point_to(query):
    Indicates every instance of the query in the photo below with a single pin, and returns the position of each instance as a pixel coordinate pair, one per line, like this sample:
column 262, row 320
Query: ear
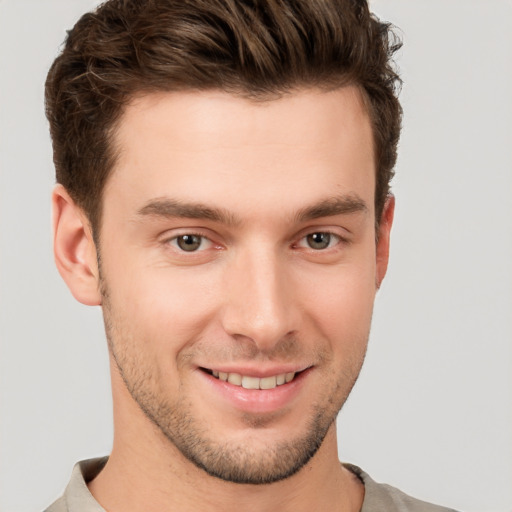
column 384, row 231
column 74, row 248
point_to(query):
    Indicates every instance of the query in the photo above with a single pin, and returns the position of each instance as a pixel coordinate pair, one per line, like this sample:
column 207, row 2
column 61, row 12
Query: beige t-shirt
column 377, row 497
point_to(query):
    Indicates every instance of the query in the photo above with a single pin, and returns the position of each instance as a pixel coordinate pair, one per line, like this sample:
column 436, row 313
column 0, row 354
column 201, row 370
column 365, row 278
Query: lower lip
column 257, row 400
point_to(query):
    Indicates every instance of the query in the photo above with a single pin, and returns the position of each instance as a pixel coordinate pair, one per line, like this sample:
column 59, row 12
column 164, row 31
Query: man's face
column 238, row 243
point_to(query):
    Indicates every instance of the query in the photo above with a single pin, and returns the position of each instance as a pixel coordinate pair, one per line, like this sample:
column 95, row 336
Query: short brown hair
column 255, row 48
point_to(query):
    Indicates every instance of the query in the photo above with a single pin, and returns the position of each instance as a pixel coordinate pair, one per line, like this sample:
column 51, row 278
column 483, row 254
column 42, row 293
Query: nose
column 261, row 303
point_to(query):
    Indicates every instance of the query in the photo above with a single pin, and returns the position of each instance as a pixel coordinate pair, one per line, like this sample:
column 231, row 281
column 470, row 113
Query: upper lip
column 258, row 371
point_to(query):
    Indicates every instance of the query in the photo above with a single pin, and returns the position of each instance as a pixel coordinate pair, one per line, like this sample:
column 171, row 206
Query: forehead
column 203, row 145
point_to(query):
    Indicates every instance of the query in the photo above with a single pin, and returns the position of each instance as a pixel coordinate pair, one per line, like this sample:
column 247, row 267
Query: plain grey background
column 432, row 412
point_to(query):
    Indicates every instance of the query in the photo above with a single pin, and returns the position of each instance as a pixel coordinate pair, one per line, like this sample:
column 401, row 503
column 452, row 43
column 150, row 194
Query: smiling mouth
column 248, row 382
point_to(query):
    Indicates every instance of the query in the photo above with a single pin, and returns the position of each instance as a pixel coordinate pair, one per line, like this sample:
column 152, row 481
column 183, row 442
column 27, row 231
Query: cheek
column 341, row 302
column 164, row 306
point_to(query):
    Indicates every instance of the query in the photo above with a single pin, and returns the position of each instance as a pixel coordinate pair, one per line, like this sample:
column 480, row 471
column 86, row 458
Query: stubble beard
column 230, row 461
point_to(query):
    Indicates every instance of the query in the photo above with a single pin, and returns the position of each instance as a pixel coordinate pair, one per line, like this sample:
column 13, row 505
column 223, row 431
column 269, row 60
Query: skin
column 256, row 297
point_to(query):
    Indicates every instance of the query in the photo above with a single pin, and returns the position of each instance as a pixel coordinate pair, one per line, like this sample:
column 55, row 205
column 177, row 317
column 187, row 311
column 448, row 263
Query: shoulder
column 58, row 506
column 379, row 497
column 76, row 497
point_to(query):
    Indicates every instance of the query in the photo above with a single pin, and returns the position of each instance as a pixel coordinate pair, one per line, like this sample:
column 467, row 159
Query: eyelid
column 335, row 240
column 341, row 234
column 170, row 238
column 205, row 244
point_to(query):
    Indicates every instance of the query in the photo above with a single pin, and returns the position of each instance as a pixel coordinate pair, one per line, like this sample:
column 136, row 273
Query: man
column 223, row 179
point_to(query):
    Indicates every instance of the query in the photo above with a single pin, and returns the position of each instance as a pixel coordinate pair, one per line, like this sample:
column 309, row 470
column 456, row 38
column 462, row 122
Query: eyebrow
column 339, row 205
column 171, row 208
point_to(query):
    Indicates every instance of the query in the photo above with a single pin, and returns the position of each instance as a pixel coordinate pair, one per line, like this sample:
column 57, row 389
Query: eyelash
column 333, row 240
column 174, row 241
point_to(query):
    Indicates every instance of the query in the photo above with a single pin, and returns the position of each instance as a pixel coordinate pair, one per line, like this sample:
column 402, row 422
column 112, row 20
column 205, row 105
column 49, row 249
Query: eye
column 320, row 240
column 190, row 242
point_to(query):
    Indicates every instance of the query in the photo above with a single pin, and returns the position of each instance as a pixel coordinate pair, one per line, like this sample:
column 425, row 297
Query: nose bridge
column 260, row 305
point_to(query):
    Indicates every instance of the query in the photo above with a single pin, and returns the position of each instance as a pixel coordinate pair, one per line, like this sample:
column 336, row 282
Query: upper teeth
column 254, row 382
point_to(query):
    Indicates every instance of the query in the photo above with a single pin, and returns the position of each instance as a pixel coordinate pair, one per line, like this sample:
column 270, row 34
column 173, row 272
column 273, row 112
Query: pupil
column 319, row 240
column 189, row 242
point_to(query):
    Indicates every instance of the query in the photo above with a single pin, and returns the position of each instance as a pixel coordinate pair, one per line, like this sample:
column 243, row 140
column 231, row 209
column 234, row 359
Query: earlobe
column 74, row 248
column 383, row 240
